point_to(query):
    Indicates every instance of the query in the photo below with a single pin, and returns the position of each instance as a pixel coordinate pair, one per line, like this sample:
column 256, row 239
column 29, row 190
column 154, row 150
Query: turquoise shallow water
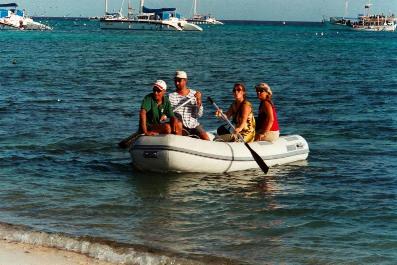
column 68, row 97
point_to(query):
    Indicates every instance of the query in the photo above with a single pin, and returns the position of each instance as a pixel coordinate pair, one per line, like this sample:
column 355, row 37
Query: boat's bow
column 187, row 26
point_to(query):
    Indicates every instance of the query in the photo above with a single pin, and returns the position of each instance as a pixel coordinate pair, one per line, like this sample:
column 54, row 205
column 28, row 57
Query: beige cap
column 160, row 84
column 180, row 74
column 264, row 87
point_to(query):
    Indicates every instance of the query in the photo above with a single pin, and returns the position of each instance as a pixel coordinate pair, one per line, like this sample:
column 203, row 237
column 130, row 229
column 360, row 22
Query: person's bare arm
column 245, row 111
column 143, row 124
column 269, row 118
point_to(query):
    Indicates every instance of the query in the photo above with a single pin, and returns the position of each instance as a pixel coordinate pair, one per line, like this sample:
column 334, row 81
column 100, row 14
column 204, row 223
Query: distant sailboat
column 147, row 19
column 202, row 19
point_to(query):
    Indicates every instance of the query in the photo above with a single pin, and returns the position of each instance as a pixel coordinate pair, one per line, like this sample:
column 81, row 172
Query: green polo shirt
column 154, row 111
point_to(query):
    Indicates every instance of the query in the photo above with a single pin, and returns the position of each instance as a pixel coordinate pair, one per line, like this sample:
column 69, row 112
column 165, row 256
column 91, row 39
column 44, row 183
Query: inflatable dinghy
column 173, row 153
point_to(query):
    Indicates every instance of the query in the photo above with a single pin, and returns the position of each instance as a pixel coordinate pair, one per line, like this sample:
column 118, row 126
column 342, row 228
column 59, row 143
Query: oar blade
column 258, row 159
column 123, row 144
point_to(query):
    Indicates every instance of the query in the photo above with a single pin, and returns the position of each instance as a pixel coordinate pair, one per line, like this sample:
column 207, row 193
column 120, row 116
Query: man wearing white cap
column 188, row 114
column 155, row 107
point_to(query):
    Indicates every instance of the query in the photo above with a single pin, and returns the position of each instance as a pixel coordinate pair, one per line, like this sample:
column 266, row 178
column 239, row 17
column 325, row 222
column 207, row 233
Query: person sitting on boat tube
column 155, row 109
column 188, row 114
column 243, row 118
column 267, row 128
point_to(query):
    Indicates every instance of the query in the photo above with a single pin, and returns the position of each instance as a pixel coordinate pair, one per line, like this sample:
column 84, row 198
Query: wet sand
column 12, row 253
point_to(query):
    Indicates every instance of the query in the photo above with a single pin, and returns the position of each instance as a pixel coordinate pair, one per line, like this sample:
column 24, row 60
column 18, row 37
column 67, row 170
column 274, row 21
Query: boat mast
column 194, row 7
column 106, row 7
column 367, row 7
column 129, row 14
column 121, row 8
column 346, row 8
column 141, row 6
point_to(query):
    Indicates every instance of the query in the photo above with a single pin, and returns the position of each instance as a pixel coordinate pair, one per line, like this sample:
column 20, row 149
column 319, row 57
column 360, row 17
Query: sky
column 278, row 10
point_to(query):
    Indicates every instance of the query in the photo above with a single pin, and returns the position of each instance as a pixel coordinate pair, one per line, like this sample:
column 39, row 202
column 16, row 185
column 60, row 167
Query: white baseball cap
column 160, row 84
column 180, row 74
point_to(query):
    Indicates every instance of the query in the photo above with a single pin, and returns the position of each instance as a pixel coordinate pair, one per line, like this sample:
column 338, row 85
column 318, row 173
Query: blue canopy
column 157, row 10
column 9, row 5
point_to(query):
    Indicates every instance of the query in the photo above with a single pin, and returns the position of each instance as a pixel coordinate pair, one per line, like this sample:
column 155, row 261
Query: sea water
column 67, row 97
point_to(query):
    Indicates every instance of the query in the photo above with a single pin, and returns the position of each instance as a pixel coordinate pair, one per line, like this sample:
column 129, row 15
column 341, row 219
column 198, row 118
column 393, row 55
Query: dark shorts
column 199, row 130
column 224, row 129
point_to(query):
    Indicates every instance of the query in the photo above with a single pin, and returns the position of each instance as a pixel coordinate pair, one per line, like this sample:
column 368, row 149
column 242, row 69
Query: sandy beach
column 13, row 253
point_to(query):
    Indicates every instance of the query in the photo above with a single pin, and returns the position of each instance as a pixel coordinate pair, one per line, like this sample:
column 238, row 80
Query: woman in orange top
column 267, row 128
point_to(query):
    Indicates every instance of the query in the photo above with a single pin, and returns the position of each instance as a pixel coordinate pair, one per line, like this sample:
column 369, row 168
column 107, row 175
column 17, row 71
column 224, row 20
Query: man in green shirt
column 155, row 109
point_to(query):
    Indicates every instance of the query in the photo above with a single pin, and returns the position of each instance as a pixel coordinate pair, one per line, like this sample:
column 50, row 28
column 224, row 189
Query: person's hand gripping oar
column 257, row 158
column 126, row 142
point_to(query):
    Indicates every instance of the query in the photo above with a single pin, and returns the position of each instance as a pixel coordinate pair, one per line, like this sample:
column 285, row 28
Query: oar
column 125, row 143
column 257, row 158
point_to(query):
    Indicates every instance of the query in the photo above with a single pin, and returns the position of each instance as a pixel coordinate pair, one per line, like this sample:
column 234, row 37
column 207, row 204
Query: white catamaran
column 16, row 19
column 147, row 19
column 366, row 22
column 202, row 19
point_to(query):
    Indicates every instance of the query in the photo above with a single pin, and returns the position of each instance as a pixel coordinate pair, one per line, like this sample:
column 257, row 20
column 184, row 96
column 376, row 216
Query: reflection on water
column 247, row 183
column 182, row 211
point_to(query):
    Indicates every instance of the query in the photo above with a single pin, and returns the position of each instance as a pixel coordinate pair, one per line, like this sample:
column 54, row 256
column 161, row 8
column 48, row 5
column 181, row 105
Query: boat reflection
column 184, row 212
column 248, row 182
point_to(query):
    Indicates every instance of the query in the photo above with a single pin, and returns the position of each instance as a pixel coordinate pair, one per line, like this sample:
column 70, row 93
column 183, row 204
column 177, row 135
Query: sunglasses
column 259, row 91
column 237, row 90
column 157, row 90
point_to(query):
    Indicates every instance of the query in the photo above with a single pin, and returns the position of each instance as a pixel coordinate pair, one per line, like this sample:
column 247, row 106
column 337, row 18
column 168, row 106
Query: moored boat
column 202, row 19
column 207, row 20
column 375, row 23
column 172, row 153
column 161, row 19
column 366, row 22
column 16, row 19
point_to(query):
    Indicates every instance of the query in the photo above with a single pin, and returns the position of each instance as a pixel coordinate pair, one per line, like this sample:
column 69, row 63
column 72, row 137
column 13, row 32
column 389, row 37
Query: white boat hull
column 337, row 26
column 187, row 26
column 131, row 24
column 6, row 26
column 376, row 28
column 205, row 21
column 15, row 22
column 33, row 25
column 171, row 153
column 158, row 25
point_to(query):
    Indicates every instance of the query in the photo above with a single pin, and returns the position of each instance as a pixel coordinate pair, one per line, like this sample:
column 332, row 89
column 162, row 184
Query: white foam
column 102, row 250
